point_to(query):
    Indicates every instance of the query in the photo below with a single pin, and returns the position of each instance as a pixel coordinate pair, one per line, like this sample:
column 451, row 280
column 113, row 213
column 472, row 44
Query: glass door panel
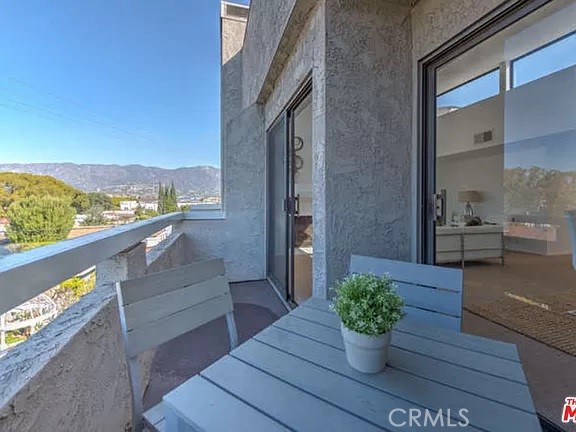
column 278, row 240
column 501, row 173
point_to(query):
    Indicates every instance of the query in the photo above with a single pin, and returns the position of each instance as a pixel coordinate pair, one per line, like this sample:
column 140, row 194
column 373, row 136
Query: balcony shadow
column 183, row 357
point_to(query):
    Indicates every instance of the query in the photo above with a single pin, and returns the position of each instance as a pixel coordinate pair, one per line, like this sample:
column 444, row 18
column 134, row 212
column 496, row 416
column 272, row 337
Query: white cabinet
column 461, row 244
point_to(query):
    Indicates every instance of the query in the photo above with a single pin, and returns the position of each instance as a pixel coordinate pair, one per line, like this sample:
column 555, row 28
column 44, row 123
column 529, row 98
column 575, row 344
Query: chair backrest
column 571, row 216
column 432, row 295
column 160, row 306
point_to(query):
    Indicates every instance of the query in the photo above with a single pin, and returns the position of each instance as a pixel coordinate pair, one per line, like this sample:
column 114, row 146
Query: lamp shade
column 469, row 196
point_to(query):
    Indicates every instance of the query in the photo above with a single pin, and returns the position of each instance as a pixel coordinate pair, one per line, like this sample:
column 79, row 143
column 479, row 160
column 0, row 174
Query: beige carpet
column 547, row 326
column 531, row 294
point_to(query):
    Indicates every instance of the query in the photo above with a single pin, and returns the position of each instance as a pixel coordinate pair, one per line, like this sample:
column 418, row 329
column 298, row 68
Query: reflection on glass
column 559, row 55
column 277, row 238
column 303, row 231
column 516, row 146
column 471, row 92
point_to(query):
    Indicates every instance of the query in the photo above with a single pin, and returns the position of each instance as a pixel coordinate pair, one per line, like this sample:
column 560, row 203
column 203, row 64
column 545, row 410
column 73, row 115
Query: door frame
column 498, row 19
column 270, row 169
column 286, row 115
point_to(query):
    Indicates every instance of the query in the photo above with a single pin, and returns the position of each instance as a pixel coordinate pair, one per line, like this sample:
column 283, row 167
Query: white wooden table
column 294, row 376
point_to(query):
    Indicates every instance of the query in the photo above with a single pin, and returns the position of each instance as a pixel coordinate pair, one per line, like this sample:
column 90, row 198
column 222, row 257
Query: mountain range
column 136, row 180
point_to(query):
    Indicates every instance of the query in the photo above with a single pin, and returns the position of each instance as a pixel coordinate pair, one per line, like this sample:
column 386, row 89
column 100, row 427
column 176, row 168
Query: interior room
column 506, row 174
column 302, row 169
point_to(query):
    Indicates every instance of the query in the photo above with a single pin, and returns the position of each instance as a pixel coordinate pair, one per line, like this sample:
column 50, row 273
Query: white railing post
column 127, row 264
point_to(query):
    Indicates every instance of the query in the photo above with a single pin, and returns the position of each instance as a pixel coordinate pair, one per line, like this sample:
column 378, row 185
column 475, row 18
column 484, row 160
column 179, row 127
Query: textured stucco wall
column 368, row 132
column 232, row 38
column 71, row 375
column 266, row 25
column 359, row 55
column 175, row 251
column 435, row 22
column 240, row 238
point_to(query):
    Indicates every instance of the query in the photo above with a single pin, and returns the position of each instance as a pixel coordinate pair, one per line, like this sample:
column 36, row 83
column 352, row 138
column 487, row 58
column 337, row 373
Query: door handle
column 297, row 204
column 439, row 207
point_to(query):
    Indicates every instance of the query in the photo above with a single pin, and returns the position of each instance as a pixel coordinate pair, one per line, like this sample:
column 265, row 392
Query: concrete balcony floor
column 256, row 306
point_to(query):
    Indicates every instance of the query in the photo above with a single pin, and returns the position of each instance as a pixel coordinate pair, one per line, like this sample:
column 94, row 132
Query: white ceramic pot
column 365, row 353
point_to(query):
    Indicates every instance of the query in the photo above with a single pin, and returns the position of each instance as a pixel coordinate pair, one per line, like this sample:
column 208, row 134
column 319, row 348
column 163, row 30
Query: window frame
column 535, row 50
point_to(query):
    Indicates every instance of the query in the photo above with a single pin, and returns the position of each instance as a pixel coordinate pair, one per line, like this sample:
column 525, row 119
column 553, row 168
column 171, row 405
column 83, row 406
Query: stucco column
column 367, row 203
column 127, row 264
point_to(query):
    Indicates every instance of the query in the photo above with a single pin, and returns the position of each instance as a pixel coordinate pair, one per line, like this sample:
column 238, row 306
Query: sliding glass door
column 290, row 230
column 499, row 174
column 278, row 216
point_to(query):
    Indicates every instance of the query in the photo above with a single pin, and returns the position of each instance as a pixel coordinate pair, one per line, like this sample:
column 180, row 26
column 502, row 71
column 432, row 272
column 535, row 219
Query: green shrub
column 368, row 304
column 40, row 219
column 14, row 337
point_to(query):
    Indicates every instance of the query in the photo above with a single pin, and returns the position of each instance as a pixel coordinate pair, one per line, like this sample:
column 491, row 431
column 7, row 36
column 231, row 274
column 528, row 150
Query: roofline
column 235, row 4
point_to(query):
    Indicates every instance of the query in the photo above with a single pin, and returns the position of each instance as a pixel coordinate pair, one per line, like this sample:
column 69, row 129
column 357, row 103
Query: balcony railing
column 84, row 340
column 28, row 274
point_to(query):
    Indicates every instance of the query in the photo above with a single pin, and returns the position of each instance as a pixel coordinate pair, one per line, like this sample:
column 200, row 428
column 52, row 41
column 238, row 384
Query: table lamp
column 469, row 197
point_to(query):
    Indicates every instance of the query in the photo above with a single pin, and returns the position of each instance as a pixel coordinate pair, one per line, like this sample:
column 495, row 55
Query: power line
column 84, row 107
column 54, row 113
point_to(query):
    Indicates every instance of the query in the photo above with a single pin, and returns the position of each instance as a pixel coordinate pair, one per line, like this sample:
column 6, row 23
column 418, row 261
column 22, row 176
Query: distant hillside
column 126, row 179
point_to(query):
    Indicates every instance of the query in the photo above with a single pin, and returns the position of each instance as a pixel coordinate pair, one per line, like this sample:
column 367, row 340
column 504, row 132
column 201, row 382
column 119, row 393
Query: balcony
column 71, row 374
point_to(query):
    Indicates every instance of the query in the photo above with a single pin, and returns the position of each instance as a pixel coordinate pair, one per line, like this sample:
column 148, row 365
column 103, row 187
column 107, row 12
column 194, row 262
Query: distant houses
column 149, row 205
column 128, row 205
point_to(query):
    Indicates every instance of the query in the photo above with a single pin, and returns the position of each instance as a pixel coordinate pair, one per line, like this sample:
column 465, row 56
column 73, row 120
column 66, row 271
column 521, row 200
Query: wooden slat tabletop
column 294, row 376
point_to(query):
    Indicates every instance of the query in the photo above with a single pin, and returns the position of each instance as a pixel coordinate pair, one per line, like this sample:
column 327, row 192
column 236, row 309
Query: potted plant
column 369, row 308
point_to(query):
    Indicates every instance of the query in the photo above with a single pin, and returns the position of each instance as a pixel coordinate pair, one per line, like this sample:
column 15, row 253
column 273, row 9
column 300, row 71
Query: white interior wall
column 535, row 110
column 542, row 107
column 482, row 171
column 530, row 126
column 455, row 130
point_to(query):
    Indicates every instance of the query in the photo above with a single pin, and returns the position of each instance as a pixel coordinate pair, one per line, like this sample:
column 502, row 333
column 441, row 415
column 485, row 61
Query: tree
column 100, row 199
column 95, row 216
column 171, row 199
column 161, row 198
column 81, row 203
column 142, row 214
column 40, row 219
column 167, row 199
column 17, row 186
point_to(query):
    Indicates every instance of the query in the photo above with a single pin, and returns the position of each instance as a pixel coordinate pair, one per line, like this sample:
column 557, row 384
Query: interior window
column 473, row 91
column 546, row 60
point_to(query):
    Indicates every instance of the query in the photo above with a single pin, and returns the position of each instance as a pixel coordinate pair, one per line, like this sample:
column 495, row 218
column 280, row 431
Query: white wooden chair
column 432, row 295
column 161, row 306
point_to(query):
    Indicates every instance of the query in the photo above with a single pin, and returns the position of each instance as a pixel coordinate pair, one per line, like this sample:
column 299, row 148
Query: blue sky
column 108, row 81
